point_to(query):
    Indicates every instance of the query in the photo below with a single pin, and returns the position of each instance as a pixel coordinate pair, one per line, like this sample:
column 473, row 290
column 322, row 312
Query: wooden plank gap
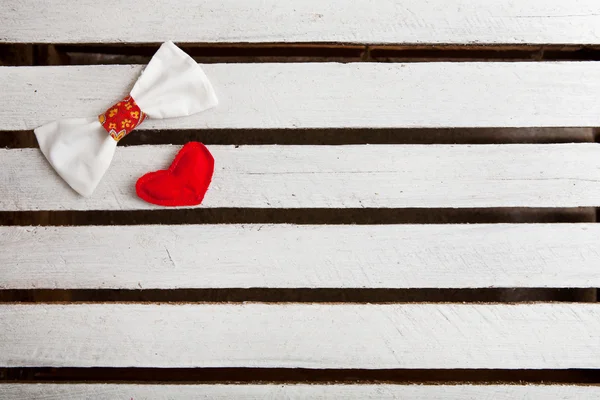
column 300, row 375
column 335, row 136
column 299, row 295
column 458, row 53
column 90, row 54
column 16, row 54
column 316, row 216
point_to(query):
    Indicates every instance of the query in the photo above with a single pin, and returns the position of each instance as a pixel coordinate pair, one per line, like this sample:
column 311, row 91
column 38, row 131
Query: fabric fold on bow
column 81, row 149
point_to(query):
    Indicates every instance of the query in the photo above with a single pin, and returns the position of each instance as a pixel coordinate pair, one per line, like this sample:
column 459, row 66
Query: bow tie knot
column 121, row 118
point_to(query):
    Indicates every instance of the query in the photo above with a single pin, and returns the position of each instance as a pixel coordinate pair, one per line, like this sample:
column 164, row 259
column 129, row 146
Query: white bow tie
column 81, row 149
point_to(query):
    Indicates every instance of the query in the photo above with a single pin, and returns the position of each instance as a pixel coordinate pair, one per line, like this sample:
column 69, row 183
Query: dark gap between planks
column 334, row 136
column 298, row 375
column 300, row 295
column 468, row 53
column 300, row 216
column 123, row 53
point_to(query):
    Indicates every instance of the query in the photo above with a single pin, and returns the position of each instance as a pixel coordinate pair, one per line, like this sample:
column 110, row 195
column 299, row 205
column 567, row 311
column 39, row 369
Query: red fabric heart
column 184, row 183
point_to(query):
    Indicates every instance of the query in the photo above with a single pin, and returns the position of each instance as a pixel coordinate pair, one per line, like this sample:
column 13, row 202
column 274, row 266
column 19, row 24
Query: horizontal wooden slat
column 358, row 176
column 307, row 336
column 295, row 391
column 359, row 95
column 383, row 21
column 287, row 256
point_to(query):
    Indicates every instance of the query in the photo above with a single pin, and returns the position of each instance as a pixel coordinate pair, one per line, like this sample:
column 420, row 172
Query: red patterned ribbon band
column 122, row 118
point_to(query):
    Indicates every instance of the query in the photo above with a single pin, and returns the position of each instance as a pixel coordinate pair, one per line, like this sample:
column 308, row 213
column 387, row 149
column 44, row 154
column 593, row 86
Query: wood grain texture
column 363, row 21
column 288, row 256
column 356, row 176
column 295, row 391
column 327, row 95
column 536, row 336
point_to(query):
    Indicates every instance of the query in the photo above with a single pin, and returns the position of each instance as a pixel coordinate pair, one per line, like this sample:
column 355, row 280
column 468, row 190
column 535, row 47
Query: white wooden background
column 357, row 21
column 299, row 391
column 355, row 176
column 291, row 256
column 554, row 336
column 321, row 95
column 327, row 95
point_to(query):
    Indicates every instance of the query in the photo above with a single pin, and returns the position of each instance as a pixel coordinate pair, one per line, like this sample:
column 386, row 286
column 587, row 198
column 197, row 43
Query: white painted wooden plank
column 548, row 175
column 288, row 256
column 327, row 95
column 301, row 335
column 50, row 391
column 363, row 21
